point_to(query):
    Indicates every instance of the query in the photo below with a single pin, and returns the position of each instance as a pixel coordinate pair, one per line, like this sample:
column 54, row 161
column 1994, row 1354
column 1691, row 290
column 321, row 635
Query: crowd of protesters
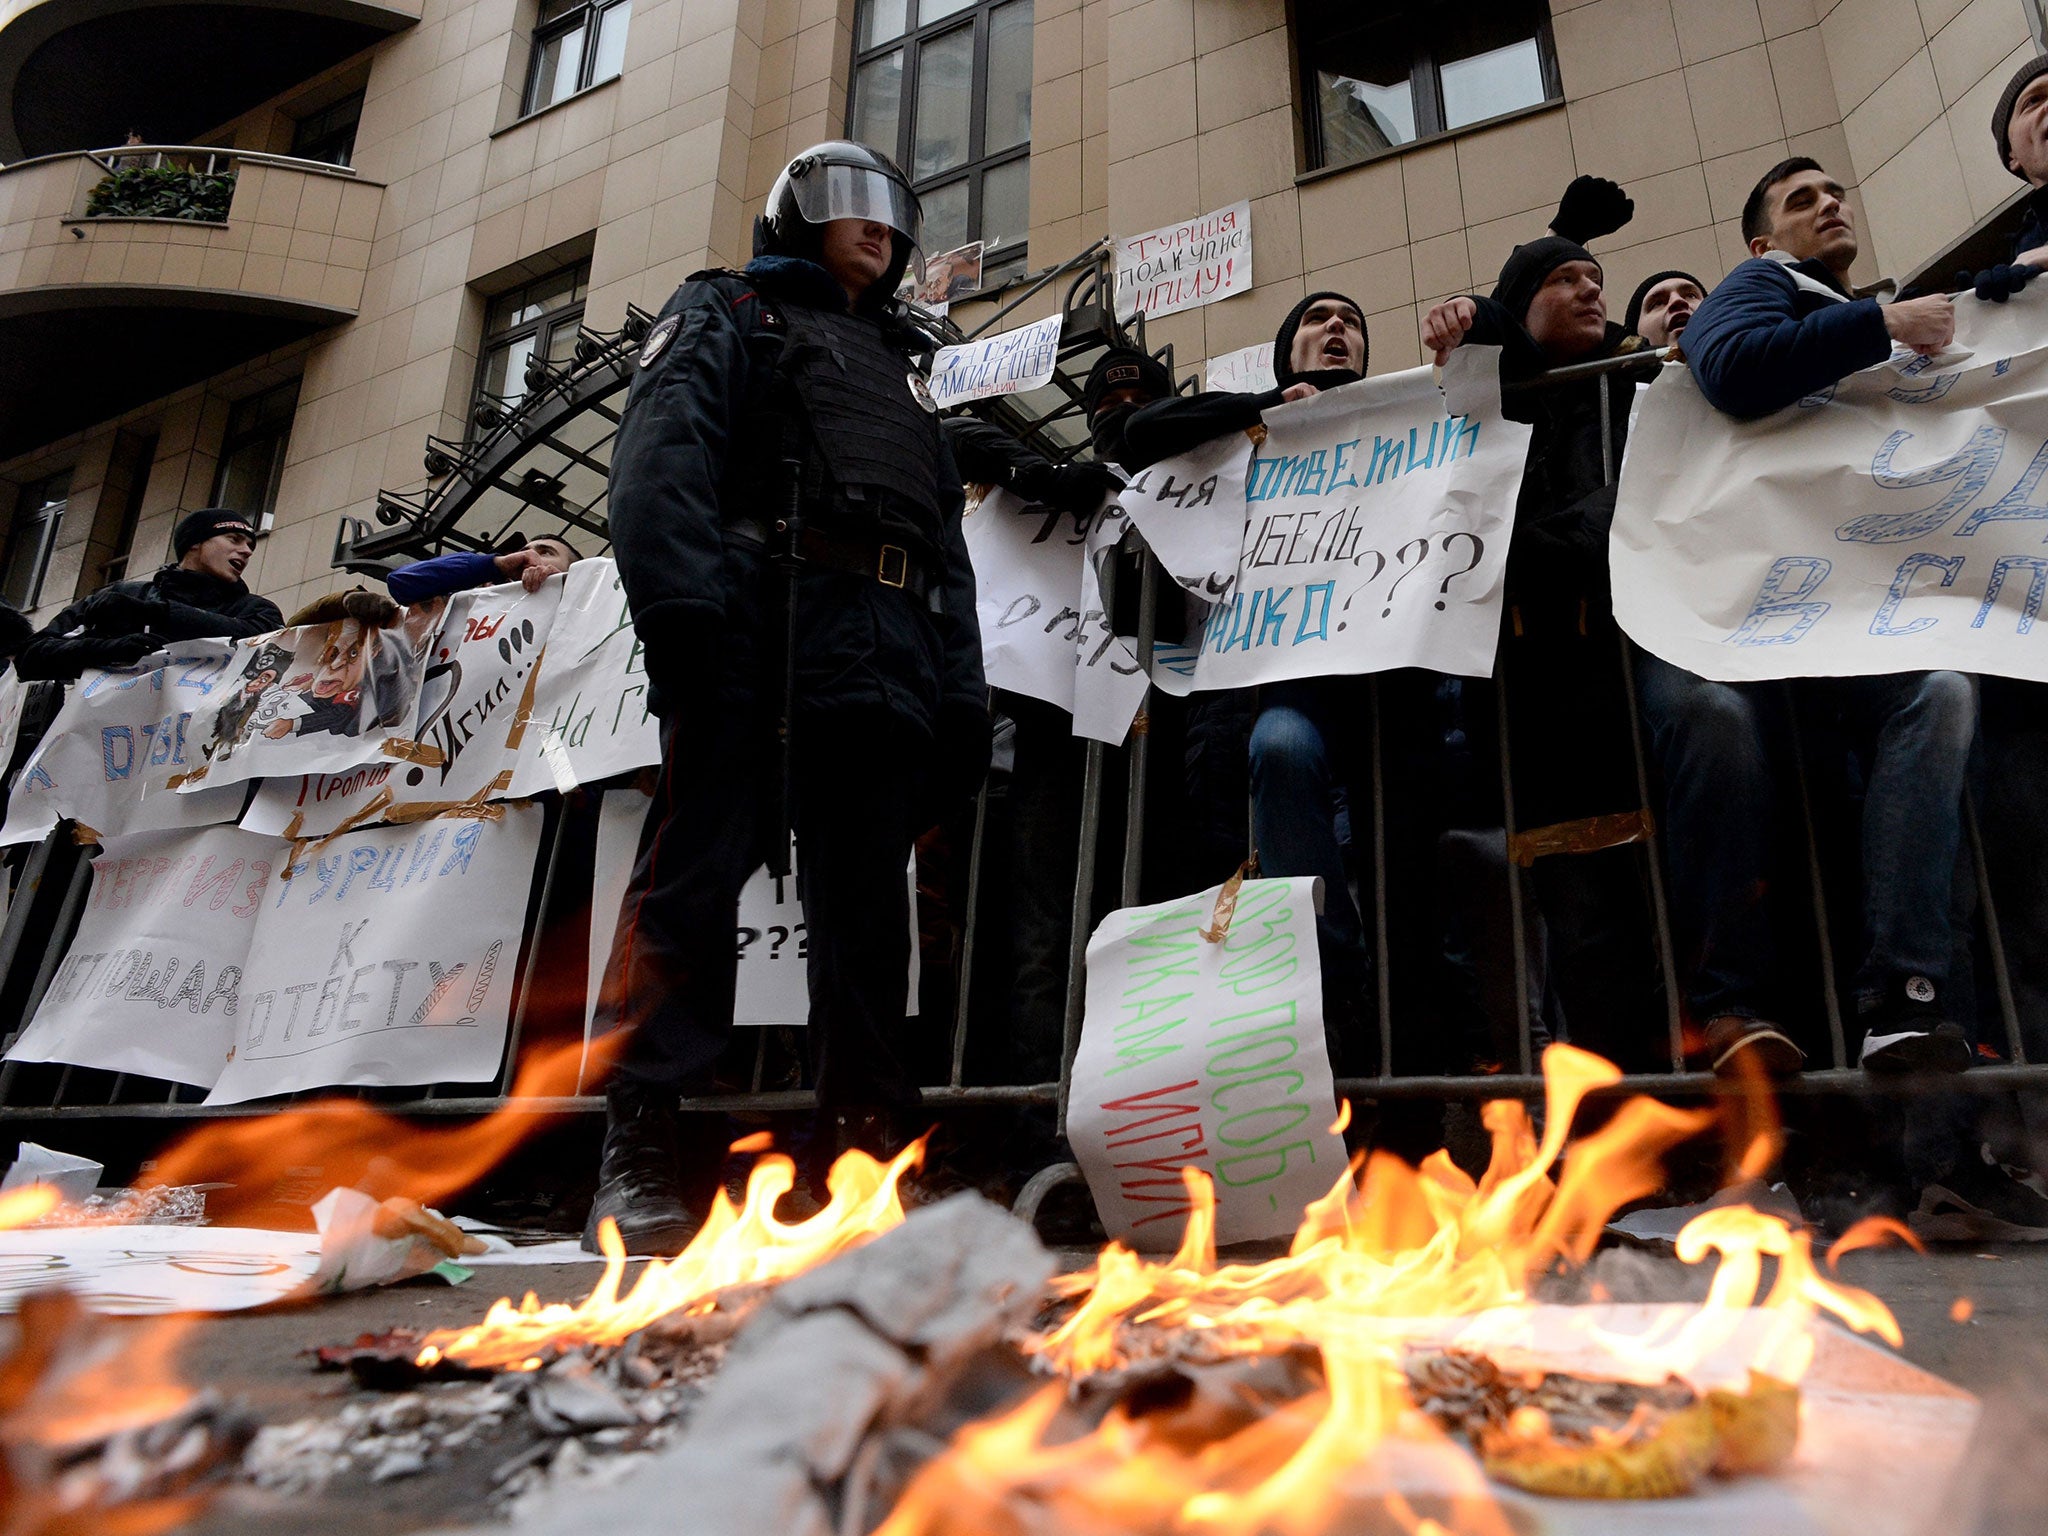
column 872, row 636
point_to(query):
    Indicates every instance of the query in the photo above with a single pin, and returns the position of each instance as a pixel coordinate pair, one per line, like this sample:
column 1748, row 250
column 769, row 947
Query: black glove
column 119, row 613
column 122, row 650
column 1997, row 284
column 1078, row 488
column 1592, row 206
column 686, row 667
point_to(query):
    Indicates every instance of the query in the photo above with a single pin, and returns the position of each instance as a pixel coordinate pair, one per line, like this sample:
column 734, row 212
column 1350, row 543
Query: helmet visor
column 827, row 192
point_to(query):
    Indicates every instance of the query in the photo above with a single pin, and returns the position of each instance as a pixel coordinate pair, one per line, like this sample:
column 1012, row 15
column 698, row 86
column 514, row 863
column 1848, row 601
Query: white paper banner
column 1206, row 1056
column 110, row 757
column 1245, row 372
column 1181, row 266
column 1004, row 364
column 389, row 957
column 1891, row 523
column 1377, row 535
column 152, row 983
column 1191, row 511
column 1109, row 685
column 137, row 1271
column 590, row 718
column 475, row 683
column 619, row 819
column 1027, row 591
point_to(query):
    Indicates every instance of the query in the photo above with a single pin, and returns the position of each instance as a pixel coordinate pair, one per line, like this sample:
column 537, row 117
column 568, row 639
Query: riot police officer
column 786, row 520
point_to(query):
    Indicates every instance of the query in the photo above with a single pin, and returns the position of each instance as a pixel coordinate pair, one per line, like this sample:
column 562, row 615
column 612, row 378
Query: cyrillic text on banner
column 1007, row 363
column 1892, row 523
column 1185, row 265
column 388, row 957
column 1248, row 371
column 1376, row 535
column 1191, row 511
column 590, row 717
column 1206, row 1055
column 152, row 982
column 1027, row 590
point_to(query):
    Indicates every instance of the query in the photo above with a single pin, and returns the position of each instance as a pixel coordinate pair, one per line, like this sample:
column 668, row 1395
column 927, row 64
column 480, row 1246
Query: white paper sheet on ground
column 1191, row 510
column 138, row 1270
column 1376, row 537
column 1890, row 523
column 1027, row 594
column 152, row 982
column 590, row 717
column 1206, row 1056
column 1109, row 685
column 389, row 957
column 475, row 692
column 774, row 946
column 121, row 738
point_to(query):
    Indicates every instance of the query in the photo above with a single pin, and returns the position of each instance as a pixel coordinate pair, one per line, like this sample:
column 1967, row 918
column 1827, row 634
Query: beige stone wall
column 1144, row 111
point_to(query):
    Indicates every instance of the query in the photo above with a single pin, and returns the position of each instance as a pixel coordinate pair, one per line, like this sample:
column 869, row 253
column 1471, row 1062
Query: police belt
column 891, row 565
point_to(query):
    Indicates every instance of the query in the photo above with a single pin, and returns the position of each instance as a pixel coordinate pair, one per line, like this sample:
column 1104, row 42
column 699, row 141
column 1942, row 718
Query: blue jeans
column 1715, row 743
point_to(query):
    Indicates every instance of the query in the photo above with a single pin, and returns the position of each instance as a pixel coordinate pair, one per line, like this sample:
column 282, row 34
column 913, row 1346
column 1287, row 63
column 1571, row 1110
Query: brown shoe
column 1737, row 1045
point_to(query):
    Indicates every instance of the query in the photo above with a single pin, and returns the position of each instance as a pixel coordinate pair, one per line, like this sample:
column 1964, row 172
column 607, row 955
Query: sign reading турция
column 1181, row 266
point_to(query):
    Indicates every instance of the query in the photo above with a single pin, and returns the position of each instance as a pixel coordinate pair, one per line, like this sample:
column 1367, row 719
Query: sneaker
column 1908, row 1047
column 1736, row 1044
column 1980, row 1203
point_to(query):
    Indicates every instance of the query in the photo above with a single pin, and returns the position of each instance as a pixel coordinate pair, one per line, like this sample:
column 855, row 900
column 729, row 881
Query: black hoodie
column 174, row 604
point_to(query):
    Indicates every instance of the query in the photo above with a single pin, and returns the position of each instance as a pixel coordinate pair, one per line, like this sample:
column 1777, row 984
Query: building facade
column 275, row 248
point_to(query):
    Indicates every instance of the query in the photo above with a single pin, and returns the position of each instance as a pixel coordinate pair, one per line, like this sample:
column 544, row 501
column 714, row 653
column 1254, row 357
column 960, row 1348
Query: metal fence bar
column 1383, row 946
column 1994, row 939
column 1831, row 999
column 1084, row 888
column 1518, row 928
column 969, row 920
column 517, row 1029
column 27, row 883
column 1141, row 727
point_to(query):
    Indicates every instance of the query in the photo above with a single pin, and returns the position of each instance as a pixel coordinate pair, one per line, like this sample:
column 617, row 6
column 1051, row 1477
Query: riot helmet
column 840, row 179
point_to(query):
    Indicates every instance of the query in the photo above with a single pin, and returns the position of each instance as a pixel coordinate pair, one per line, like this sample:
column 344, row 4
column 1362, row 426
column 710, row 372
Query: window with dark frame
column 538, row 319
column 1375, row 78
column 329, row 135
column 943, row 87
column 576, row 44
column 38, row 513
column 252, row 452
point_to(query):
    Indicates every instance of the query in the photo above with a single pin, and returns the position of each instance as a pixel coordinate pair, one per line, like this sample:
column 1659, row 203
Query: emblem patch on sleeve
column 658, row 339
column 921, row 391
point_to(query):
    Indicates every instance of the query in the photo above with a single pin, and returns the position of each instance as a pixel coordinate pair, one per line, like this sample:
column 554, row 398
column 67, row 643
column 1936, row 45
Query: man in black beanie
column 200, row 597
column 1662, row 305
column 2019, row 129
column 1560, row 655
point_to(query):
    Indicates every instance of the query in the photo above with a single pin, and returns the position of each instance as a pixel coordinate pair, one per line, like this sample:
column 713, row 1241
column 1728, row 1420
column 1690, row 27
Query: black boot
column 638, row 1184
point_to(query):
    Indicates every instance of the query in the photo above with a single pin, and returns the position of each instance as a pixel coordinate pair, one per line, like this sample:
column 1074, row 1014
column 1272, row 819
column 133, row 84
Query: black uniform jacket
column 687, row 502
column 174, row 604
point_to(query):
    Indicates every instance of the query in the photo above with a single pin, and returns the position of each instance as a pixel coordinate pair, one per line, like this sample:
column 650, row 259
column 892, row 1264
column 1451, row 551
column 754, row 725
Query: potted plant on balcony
column 162, row 192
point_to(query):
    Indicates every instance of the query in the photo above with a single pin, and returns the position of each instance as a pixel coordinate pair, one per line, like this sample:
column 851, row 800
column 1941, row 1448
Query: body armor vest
column 878, row 444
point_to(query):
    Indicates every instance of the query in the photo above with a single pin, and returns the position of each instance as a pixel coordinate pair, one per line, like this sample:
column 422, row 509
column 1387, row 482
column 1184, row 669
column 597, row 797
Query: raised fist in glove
column 122, row 650
column 1077, row 488
column 1997, row 284
column 1592, row 206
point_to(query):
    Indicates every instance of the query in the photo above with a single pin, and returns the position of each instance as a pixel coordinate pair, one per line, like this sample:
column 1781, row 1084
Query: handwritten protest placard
column 1109, row 685
column 388, row 957
column 1891, row 523
column 1191, row 510
column 590, row 717
column 1027, row 592
column 121, row 739
column 1208, row 1056
column 1181, row 266
column 1376, row 536
column 152, row 982
column 1004, row 364
column 1247, row 372
column 478, row 670
column 129, row 1271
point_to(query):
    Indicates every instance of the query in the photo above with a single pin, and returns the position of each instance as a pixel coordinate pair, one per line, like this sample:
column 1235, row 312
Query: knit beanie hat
column 1528, row 265
column 1121, row 368
column 1323, row 378
column 2001, row 115
column 196, row 528
column 1635, row 301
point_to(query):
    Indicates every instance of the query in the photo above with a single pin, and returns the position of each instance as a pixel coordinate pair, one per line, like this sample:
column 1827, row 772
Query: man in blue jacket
column 1781, row 326
column 527, row 561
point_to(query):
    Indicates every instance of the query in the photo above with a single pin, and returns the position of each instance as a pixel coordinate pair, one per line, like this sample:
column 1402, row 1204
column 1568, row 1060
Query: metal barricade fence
column 50, row 887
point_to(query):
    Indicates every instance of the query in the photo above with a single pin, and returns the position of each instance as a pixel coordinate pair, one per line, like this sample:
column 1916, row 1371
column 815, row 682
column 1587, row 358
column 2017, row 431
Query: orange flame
column 747, row 1246
column 337, row 1142
column 1870, row 1232
column 31, row 1202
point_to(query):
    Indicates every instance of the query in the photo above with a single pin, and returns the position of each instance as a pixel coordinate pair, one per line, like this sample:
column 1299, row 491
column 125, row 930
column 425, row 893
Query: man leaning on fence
column 786, row 520
column 1780, row 326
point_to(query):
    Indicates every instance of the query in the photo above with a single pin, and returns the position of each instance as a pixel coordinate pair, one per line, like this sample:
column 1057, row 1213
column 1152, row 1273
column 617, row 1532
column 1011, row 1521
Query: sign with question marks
column 119, row 744
column 1891, row 522
column 1376, row 534
column 774, row 943
column 473, row 682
